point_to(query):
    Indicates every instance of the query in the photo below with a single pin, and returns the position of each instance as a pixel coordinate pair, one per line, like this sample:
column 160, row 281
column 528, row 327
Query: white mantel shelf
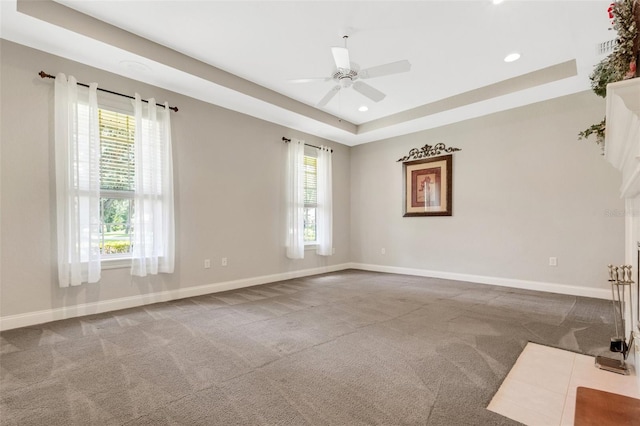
column 622, row 136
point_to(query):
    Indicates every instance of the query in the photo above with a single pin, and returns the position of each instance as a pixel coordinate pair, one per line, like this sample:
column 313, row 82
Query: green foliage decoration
column 621, row 63
column 603, row 74
column 595, row 129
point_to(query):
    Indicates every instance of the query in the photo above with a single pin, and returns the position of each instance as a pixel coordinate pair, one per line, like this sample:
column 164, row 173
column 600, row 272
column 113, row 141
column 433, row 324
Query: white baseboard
column 39, row 317
column 598, row 293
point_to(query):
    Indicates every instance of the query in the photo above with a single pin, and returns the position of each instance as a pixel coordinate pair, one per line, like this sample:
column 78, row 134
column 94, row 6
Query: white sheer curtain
column 77, row 158
column 324, row 216
column 295, row 200
column 153, row 221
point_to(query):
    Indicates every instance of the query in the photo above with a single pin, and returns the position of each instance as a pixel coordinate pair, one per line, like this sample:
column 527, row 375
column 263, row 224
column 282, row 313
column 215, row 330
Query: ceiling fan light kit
column 347, row 75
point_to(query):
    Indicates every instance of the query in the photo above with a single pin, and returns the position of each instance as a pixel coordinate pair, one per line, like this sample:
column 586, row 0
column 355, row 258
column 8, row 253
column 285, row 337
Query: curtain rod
column 43, row 74
column 287, row 140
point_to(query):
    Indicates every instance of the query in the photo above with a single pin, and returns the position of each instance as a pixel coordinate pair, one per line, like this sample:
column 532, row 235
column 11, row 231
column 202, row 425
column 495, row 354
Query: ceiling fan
column 347, row 75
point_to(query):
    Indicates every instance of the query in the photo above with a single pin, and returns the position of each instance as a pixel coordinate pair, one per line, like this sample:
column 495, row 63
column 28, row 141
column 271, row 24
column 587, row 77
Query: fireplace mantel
column 622, row 150
column 622, row 136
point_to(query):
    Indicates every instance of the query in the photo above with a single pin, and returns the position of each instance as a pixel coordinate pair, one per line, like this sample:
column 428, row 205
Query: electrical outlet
column 383, row 251
column 207, row 263
column 224, row 261
column 553, row 261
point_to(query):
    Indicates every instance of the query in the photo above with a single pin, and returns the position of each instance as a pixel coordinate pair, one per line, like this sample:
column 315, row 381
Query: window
column 114, row 185
column 310, row 198
column 117, row 183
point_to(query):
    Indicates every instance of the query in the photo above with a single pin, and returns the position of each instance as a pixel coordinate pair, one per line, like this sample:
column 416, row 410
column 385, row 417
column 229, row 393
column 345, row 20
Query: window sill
column 310, row 246
column 118, row 263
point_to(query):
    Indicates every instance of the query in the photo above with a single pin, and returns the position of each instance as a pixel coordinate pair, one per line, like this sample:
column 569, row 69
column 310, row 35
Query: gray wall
column 228, row 172
column 524, row 189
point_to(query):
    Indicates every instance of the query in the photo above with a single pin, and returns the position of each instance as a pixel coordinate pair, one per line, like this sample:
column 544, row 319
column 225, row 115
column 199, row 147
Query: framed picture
column 427, row 186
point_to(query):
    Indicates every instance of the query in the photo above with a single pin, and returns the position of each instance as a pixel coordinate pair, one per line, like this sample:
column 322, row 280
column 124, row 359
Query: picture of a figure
column 427, row 191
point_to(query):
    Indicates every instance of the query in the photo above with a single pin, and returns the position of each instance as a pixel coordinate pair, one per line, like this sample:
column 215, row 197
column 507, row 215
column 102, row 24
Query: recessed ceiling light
column 363, row 108
column 497, row 1
column 512, row 57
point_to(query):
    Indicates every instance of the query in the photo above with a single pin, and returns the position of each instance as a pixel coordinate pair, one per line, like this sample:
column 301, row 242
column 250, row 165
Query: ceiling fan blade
column 370, row 92
column 329, row 96
column 341, row 57
column 386, row 69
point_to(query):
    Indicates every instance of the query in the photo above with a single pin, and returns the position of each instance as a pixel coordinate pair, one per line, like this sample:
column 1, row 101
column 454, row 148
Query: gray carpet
column 346, row 348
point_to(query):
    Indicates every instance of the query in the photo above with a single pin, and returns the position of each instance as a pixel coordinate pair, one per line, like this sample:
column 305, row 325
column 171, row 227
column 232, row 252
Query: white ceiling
column 454, row 47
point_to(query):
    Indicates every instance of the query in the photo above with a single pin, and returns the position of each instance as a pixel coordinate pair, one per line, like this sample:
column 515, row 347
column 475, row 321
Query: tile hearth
column 541, row 387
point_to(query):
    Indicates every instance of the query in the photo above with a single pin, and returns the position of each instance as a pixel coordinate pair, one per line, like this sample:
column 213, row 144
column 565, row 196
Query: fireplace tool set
column 620, row 280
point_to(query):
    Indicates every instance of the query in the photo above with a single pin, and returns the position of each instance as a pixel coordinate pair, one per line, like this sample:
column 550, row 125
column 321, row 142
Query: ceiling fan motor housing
column 345, row 77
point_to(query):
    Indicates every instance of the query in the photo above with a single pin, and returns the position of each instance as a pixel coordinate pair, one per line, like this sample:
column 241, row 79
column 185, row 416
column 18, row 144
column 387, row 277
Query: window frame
column 311, row 153
column 115, row 260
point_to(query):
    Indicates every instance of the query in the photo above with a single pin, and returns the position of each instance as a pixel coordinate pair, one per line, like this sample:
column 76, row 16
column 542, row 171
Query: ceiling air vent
column 605, row 47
